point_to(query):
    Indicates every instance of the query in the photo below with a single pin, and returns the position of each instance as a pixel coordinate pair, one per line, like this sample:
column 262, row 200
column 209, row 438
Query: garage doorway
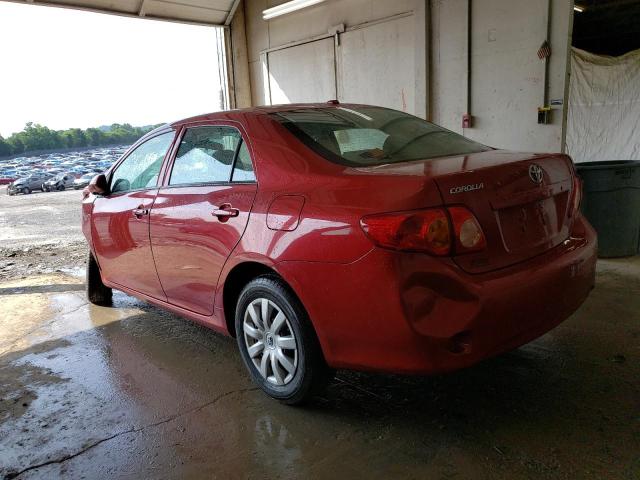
column 337, row 66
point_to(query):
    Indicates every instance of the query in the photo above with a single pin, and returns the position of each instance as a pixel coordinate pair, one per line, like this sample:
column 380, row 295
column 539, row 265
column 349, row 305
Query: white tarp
column 604, row 107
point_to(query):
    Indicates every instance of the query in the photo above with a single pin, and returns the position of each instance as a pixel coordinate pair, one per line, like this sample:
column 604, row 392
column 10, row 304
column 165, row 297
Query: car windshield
column 364, row 136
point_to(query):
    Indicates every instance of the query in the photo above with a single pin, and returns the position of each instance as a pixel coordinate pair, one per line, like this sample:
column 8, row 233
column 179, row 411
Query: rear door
column 120, row 220
column 201, row 212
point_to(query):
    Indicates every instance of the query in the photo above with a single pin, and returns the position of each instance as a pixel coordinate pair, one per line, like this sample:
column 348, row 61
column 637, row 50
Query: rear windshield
column 365, row 136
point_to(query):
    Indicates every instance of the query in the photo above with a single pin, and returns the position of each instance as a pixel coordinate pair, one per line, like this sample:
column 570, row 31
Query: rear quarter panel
column 335, row 199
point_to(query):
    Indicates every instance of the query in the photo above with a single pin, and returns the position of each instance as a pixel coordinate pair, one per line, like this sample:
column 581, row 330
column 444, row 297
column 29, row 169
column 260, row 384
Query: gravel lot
column 40, row 233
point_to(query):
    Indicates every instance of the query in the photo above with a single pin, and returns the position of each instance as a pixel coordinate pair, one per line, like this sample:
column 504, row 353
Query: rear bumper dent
column 411, row 313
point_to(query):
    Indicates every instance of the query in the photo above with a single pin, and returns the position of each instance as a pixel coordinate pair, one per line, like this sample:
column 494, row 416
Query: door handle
column 140, row 212
column 225, row 211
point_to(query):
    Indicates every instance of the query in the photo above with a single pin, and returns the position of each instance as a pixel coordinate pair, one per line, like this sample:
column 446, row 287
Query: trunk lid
column 520, row 200
column 520, row 216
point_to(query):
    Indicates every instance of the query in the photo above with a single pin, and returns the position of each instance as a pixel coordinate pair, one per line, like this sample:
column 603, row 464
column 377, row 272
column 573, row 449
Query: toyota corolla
column 334, row 236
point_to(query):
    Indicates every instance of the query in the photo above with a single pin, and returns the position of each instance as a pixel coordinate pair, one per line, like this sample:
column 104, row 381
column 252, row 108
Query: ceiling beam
column 73, row 6
column 232, row 12
column 185, row 4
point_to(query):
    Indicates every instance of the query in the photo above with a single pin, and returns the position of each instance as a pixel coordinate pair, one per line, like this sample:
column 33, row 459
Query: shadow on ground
column 55, row 288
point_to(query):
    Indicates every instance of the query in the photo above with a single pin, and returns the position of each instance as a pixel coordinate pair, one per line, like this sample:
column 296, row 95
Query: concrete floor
column 134, row 392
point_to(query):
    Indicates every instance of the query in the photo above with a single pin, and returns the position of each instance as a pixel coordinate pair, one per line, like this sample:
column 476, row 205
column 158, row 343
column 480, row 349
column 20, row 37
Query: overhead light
column 578, row 8
column 288, row 7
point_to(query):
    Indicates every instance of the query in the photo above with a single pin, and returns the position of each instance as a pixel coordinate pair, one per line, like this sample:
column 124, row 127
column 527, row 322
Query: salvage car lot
column 45, row 167
column 134, row 391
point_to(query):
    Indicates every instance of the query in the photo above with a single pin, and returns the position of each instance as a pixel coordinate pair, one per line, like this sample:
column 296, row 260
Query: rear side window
column 205, row 155
column 141, row 167
column 243, row 169
column 364, row 136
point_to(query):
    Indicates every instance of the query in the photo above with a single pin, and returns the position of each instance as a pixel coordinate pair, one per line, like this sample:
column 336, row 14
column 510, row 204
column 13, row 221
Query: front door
column 201, row 213
column 120, row 220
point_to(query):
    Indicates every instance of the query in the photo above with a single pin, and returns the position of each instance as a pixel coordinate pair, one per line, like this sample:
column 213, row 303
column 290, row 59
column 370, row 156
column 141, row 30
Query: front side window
column 142, row 166
column 205, row 155
column 365, row 136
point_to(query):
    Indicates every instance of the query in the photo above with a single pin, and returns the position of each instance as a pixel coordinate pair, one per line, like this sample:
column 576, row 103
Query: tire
column 60, row 188
column 26, row 191
column 97, row 292
column 310, row 374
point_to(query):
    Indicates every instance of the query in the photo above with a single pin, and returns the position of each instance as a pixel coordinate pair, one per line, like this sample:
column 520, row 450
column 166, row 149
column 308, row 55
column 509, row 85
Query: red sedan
column 341, row 236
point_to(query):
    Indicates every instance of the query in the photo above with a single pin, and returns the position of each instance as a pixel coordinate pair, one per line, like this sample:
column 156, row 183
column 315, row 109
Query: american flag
column 544, row 51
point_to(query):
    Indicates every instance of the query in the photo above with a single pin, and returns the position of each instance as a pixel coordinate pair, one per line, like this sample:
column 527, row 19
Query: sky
column 67, row 68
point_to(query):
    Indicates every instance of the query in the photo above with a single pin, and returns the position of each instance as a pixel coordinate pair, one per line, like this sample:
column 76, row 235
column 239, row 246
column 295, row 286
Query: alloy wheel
column 270, row 341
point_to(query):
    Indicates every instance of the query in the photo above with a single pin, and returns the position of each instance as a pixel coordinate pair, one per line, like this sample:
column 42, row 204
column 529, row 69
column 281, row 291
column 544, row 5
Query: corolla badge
column 467, row 188
column 535, row 173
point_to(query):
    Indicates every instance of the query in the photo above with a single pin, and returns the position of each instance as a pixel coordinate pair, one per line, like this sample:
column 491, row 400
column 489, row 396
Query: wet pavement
column 131, row 391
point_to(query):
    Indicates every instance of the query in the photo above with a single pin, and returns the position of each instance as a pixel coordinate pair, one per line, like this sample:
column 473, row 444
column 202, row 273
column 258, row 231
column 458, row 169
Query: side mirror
column 98, row 186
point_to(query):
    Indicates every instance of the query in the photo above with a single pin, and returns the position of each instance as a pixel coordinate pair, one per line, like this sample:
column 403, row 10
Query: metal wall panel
column 381, row 58
column 304, row 73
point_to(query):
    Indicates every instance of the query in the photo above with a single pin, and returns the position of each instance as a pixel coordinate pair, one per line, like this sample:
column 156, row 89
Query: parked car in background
column 59, row 182
column 341, row 236
column 27, row 184
column 83, row 181
column 6, row 178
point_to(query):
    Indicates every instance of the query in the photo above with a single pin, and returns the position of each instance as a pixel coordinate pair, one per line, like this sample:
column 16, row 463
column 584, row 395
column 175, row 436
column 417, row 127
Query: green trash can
column 611, row 203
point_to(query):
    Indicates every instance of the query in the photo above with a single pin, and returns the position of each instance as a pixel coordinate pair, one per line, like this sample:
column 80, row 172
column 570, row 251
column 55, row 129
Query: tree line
column 36, row 137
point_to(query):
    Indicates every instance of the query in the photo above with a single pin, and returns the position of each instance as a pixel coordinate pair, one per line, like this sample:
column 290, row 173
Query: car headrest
column 225, row 156
column 210, row 144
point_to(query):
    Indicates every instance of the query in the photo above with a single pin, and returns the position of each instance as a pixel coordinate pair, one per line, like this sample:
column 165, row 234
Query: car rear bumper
column 411, row 313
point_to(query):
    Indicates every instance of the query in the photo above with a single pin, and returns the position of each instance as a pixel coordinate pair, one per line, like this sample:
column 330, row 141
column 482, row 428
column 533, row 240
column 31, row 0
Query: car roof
column 261, row 110
column 241, row 113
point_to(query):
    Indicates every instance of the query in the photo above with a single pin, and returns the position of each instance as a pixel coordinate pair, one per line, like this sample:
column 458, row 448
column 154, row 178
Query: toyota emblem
column 535, row 173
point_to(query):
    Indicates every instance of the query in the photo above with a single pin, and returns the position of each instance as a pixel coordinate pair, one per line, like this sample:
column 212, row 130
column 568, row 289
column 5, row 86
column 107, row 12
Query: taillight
column 468, row 234
column 576, row 196
column 419, row 231
column 432, row 231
